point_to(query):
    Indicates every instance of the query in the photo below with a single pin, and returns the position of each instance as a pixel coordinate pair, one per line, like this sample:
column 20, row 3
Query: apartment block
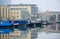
column 3, row 12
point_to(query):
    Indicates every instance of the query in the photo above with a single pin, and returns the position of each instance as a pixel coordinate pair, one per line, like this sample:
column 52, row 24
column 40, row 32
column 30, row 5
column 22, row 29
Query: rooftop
column 22, row 5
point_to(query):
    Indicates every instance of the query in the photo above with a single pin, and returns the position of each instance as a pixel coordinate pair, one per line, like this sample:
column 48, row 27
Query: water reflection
column 44, row 35
column 49, row 31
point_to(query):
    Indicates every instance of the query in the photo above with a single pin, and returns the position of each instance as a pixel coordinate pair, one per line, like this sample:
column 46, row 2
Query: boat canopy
column 5, row 23
column 20, row 21
column 5, row 31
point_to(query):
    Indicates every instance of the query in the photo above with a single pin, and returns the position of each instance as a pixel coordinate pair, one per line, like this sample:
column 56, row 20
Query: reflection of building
column 29, row 34
column 5, row 2
column 34, row 33
column 17, row 34
column 20, row 34
column 4, row 36
column 3, row 12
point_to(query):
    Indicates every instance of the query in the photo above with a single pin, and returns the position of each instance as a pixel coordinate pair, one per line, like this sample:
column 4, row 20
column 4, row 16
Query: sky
column 52, row 5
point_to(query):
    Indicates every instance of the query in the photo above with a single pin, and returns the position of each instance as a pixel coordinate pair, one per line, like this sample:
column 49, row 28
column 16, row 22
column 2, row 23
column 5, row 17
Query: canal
column 47, row 32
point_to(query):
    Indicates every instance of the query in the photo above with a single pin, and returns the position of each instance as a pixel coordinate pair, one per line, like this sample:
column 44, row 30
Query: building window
column 3, row 35
column 3, row 12
column 17, row 32
column 59, row 17
column 14, row 12
column 17, row 12
column 52, row 18
column 11, row 12
column 17, row 16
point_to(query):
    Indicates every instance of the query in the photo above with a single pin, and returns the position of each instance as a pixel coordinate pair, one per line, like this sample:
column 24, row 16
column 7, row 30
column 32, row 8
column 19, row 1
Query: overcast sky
column 52, row 5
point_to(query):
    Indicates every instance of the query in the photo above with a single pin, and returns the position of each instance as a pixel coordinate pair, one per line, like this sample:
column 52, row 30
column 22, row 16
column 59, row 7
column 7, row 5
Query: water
column 44, row 35
column 48, row 32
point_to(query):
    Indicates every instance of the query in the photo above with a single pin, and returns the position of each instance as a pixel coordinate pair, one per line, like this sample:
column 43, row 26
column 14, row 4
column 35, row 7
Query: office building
column 54, row 16
column 42, row 16
column 34, row 13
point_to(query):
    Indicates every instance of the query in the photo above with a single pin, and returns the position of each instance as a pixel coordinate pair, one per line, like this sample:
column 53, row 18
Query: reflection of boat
column 30, row 25
column 39, row 25
column 5, row 27
column 5, row 31
column 44, row 22
column 4, row 24
column 22, row 28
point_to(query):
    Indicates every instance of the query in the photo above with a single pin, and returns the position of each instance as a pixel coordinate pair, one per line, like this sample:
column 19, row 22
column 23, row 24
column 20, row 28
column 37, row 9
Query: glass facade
column 58, row 26
column 59, row 21
column 52, row 18
column 18, row 8
column 34, row 13
column 34, row 34
column 59, row 17
column 24, row 14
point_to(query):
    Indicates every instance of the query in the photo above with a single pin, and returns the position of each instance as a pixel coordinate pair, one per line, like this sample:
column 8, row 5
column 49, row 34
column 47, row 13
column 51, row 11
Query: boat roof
column 21, row 21
column 5, row 23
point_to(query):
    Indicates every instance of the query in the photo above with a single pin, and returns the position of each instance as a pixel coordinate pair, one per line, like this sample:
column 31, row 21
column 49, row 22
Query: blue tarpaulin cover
column 5, row 23
column 21, row 21
column 5, row 31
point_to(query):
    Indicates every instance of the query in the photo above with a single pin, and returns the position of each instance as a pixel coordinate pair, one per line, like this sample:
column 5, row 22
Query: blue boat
column 20, row 21
column 5, row 27
column 5, row 31
column 5, row 23
column 31, row 25
column 22, row 24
